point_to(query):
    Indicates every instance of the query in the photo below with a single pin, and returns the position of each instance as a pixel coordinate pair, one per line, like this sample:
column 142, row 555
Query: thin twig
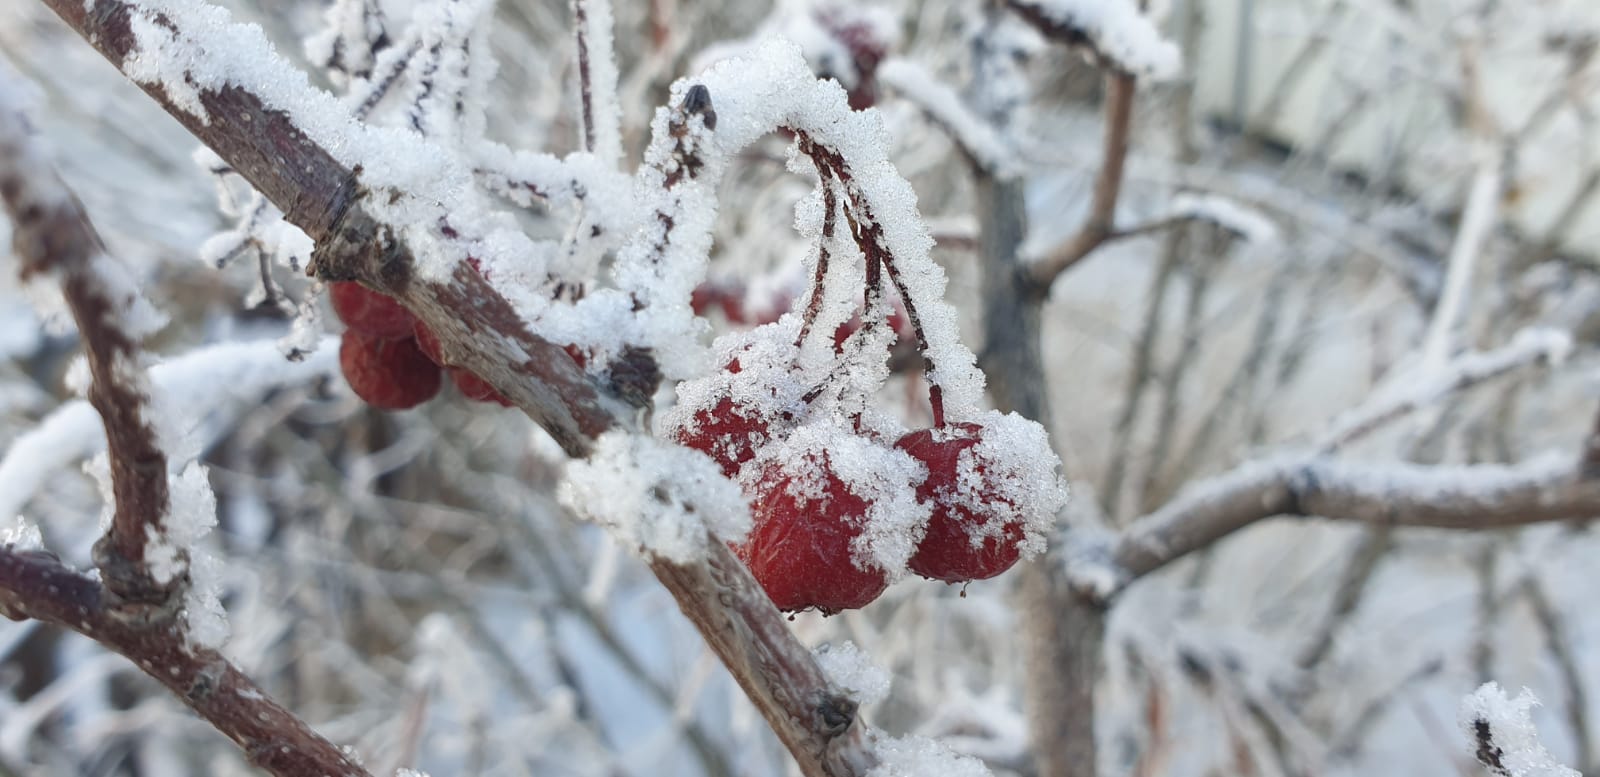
column 1100, row 224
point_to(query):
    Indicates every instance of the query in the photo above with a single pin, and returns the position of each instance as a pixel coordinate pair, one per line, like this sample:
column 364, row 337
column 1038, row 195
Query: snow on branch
column 597, row 79
column 34, row 584
column 1113, row 31
column 977, row 138
column 1546, row 488
column 53, row 238
column 1412, row 391
column 201, row 381
column 1236, row 217
column 1503, row 738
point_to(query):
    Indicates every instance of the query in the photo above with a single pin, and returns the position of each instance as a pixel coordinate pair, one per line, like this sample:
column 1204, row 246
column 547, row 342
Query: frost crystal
column 1502, row 734
column 915, row 756
column 1120, row 33
column 22, row 535
column 850, row 668
column 655, row 496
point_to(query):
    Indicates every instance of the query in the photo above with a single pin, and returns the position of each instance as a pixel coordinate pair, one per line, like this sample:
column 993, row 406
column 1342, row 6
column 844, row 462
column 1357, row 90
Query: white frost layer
column 774, row 88
column 1231, row 215
column 1119, row 32
column 850, row 668
column 975, row 136
column 915, row 756
column 201, row 381
column 22, row 534
column 1511, row 736
column 664, row 500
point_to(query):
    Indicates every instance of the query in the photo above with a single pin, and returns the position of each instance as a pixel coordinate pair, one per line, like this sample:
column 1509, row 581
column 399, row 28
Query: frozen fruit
column 799, row 548
column 370, row 312
column 392, row 374
column 973, row 533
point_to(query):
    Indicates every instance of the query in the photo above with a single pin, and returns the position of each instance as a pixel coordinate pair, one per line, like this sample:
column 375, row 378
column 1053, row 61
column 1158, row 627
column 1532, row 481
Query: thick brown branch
column 36, row 585
column 1100, row 225
column 1388, row 494
column 52, row 235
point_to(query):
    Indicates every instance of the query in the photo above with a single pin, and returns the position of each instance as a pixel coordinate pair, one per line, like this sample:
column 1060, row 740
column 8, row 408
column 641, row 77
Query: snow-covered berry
column 975, row 530
column 806, row 522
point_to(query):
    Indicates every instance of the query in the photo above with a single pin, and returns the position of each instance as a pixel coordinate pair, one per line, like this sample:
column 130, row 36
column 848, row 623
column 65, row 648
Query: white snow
column 1502, row 729
column 975, row 136
column 917, row 756
column 1119, row 32
column 1229, row 214
column 201, row 382
column 852, row 669
column 22, row 534
column 661, row 499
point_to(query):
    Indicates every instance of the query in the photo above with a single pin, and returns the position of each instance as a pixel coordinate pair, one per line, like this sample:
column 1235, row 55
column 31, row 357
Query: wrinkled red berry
column 961, row 544
column 475, row 388
column 392, row 374
column 369, row 312
column 800, row 546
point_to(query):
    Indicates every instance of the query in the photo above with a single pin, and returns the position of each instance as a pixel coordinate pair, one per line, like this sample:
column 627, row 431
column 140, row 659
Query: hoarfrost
column 1119, row 32
column 915, row 756
column 22, row 535
column 850, row 668
column 1501, row 732
column 975, row 136
column 1229, row 214
column 662, row 499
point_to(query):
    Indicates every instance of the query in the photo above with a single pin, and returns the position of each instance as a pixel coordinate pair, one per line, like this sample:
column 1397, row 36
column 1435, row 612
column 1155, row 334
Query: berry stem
column 830, row 206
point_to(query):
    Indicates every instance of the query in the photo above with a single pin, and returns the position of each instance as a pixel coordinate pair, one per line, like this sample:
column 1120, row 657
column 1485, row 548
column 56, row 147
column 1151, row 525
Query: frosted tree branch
column 597, row 79
column 34, row 584
column 977, row 138
column 52, row 237
column 131, row 609
column 1548, row 488
column 1411, row 392
column 1100, row 225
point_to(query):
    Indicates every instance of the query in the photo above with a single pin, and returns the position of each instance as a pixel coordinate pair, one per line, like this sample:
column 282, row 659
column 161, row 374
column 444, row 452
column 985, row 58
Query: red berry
column 969, row 536
column 392, row 374
column 475, row 388
column 800, row 546
column 369, row 312
column 729, row 432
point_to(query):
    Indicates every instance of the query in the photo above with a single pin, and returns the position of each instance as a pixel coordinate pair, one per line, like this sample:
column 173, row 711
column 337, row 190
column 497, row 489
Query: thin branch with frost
column 1483, row 205
column 597, row 79
column 1114, row 32
column 140, row 605
column 34, row 584
column 1503, row 738
column 1547, row 488
column 1410, row 392
column 1100, row 225
column 976, row 138
column 52, row 236
column 201, row 381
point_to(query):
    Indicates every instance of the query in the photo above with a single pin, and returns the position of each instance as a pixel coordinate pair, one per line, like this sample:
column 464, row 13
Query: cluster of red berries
column 391, row 360
column 810, row 518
